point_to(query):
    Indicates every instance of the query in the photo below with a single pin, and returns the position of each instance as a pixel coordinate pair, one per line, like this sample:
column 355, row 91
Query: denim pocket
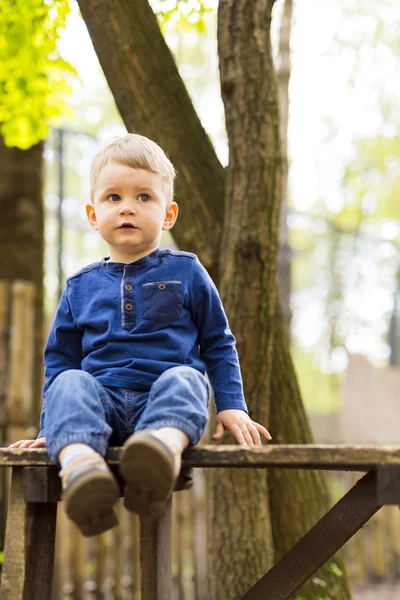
column 162, row 301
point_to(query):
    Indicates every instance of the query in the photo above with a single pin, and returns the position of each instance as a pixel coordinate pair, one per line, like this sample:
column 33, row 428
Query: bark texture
column 21, row 233
column 152, row 100
column 298, row 499
column 248, row 280
column 285, row 255
column 253, row 190
column 290, row 519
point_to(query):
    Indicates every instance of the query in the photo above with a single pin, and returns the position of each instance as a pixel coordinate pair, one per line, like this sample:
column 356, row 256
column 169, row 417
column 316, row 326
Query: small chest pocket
column 162, row 301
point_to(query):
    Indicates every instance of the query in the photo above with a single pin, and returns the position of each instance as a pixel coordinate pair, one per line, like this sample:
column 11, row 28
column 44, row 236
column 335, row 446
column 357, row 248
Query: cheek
column 103, row 224
column 102, row 217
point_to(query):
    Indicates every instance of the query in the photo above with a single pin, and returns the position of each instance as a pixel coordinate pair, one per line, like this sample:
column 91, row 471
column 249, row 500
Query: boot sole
column 147, row 466
column 89, row 502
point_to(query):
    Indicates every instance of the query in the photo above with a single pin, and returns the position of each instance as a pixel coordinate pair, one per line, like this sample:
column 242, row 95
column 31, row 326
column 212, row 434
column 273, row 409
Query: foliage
column 35, row 78
column 346, row 254
column 336, row 571
column 320, row 390
column 184, row 13
column 372, row 182
column 33, row 75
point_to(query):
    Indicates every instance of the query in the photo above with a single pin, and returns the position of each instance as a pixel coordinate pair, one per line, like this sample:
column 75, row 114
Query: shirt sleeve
column 216, row 341
column 63, row 350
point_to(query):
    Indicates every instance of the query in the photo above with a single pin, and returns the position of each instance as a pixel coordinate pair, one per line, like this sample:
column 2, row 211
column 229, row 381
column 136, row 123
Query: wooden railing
column 35, row 491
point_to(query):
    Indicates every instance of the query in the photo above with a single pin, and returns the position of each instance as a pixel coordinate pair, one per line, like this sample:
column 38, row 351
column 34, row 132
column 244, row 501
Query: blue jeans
column 81, row 410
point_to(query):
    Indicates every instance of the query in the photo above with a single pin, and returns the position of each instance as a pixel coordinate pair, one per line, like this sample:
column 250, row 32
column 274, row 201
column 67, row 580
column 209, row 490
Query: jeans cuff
column 194, row 433
column 99, row 443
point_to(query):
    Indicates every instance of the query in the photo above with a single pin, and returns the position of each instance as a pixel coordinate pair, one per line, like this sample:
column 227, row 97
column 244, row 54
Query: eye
column 144, row 197
column 114, row 197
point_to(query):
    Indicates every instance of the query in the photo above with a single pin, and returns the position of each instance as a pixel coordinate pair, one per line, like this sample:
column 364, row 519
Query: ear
column 91, row 216
column 171, row 214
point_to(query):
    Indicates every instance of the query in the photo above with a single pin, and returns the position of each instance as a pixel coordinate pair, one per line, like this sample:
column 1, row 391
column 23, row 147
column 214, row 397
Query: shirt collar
column 145, row 261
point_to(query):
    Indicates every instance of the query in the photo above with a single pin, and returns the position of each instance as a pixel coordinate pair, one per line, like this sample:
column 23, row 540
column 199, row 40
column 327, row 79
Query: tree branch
column 153, row 101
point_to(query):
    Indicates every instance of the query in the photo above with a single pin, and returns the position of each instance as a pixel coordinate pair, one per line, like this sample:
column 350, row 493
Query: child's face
column 130, row 211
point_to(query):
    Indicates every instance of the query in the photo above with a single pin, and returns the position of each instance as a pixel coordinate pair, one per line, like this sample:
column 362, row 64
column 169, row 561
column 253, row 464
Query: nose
column 127, row 208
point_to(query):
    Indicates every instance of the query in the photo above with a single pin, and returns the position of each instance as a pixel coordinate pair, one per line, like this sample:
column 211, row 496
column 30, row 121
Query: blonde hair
column 137, row 152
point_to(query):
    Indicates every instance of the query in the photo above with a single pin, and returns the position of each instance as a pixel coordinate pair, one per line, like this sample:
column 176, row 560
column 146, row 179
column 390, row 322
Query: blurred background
column 343, row 209
column 343, row 188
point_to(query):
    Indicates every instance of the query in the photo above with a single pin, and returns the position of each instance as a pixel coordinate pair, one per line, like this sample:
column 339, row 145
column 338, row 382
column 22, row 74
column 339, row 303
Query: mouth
column 127, row 226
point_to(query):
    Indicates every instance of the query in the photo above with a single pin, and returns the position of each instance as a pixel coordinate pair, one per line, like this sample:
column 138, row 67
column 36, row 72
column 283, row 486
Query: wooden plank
column 307, row 456
column 29, row 546
column 200, row 541
column 20, row 379
column 4, row 364
column 319, row 544
column 24, row 457
column 4, row 334
column 336, row 457
column 41, row 484
column 155, row 556
column 388, row 484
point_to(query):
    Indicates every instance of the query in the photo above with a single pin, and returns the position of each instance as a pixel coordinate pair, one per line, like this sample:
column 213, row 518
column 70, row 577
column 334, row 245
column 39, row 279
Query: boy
column 129, row 346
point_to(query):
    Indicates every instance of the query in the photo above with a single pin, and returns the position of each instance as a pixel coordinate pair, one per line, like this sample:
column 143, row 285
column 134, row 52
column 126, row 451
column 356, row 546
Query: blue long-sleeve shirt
column 127, row 323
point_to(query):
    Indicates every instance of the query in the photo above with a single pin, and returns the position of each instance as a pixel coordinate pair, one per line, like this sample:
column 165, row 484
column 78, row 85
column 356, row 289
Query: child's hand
column 246, row 431
column 38, row 443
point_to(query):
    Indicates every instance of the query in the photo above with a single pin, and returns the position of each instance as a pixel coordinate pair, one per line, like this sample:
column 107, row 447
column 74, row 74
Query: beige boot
column 90, row 491
column 149, row 468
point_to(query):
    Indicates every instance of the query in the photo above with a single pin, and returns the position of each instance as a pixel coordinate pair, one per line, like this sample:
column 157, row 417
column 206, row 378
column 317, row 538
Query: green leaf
column 335, row 570
column 34, row 78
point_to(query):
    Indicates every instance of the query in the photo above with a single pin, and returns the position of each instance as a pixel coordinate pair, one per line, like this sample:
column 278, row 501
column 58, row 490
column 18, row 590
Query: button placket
column 127, row 301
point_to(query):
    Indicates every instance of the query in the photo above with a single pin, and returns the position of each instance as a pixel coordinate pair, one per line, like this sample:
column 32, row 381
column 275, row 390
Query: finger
column 39, row 443
column 26, row 443
column 254, row 434
column 237, row 432
column 219, row 431
column 262, row 430
column 16, row 444
column 247, row 436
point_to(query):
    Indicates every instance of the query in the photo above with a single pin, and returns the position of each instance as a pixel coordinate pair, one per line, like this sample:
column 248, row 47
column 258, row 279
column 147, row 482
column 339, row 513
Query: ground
column 380, row 591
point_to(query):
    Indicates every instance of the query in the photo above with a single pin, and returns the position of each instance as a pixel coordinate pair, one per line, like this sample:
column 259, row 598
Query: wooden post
column 20, row 380
column 29, row 545
column 155, row 556
column 4, row 333
column 200, row 542
column 388, row 484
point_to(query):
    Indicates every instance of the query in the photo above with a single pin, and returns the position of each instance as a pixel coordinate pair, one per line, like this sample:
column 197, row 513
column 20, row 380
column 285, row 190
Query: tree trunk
column 144, row 78
column 298, row 499
column 21, row 235
column 285, row 255
column 154, row 102
column 248, row 281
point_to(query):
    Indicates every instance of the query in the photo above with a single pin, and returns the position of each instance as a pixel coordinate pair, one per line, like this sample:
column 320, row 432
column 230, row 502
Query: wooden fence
column 107, row 567
column 17, row 312
column 374, row 552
